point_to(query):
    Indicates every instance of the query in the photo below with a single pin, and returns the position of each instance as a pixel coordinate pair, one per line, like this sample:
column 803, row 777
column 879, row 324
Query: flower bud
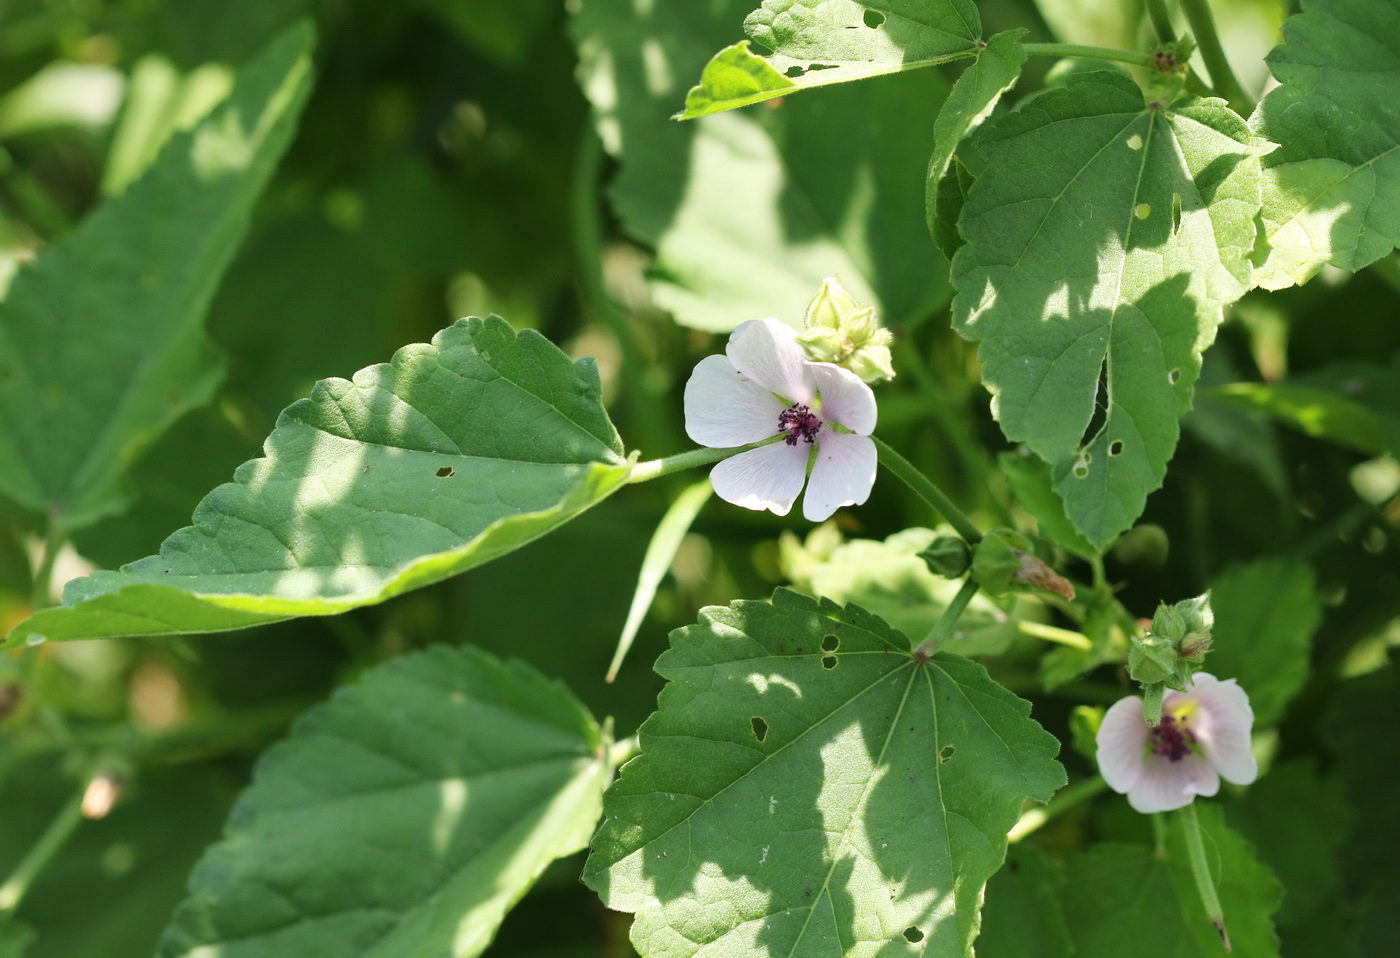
column 1176, row 643
column 1151, row 659
column 948, row 556
column 840, row 331
column 1003, row 561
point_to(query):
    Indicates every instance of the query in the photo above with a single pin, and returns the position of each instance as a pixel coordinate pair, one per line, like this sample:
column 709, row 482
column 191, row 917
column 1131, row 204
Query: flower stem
column 1076, row 794
column 42, row 852
column 656, row 468
column 1092, row 53
column 1050, row 633
column 924, row 487
column 1221, row 76
column 1152, row 703
column 1161, row 21
column 944, row 626
column 1200, row 870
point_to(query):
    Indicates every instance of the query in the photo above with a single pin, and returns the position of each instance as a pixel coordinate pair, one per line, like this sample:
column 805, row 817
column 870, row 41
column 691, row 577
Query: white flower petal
column 842, row 475
column 723, row 408
column 1165, row 785
column 769, row 477
column 767, row 352
column 1122, row 742
column 845, row 398
column 1222, row 724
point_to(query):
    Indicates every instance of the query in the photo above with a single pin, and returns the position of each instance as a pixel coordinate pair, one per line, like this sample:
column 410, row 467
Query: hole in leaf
column 446, row 472
column 793, row 72
column 946, row 752
column 1135, row 142
column 1100, row 414
column 1174, row 376
column 760, row 728
column 1081, row 468
column 873, row 19
column 913, row 935
column 1176, row 212
column 828, row 661
column 1115, row 447
column 1142, row 211
column 830, row 643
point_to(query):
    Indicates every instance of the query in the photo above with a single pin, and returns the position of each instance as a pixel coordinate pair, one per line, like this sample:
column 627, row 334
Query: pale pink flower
column 765, row 386
column 1203, row 736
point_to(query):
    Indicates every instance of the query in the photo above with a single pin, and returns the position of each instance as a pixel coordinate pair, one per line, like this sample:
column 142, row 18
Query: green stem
column 926, row 490
column 621, row 752
column 1161, row 21
column 1152, row 703
column 1092, row 53
column 656, row 468
column 1208, row 40
column 1050, row 633
column 1200, row 870
column 1159, row 835
column 42, row 852
column 43, row 572
column 1077, row 794
column 943, row 628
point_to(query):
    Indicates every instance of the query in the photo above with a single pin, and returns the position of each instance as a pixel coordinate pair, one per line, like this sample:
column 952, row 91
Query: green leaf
column 889, row 579
column 1265, row 616
column 1123, row 901
column 1103, row 240
column 748, row 212
column 1298, row 820
column 92, row 371
column 403, row 817
column 1022, row 917
column 821, row 42
column 661, row 552
column 1332, row 189
column 971, row 101
column 1316, row 411
column 808, row 788
column 1033, row 486
column 453, row 454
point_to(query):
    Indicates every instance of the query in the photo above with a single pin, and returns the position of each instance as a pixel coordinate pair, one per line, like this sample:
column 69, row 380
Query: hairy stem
column 1208, row 41
column 656, row 468
column 1161, row 21
column 926, row 490
column 943, row 628
column 41, row 853
column 1092, row 53
column 1200, row 870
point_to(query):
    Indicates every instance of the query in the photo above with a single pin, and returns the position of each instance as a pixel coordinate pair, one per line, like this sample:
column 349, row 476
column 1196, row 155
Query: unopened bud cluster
column 1173, row 649
column 840, row 331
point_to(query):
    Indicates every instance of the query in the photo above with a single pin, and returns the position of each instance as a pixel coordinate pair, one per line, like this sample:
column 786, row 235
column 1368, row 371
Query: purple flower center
column 1173, row 738
column 798, row 421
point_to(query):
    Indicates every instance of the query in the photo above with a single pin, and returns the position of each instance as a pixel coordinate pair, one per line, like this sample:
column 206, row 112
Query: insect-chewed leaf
column 807, row 787
column 452, row 454
column 1103, row 240
column 402, row 818
column 1332, row 189
column 820, row 42
column 750, row 210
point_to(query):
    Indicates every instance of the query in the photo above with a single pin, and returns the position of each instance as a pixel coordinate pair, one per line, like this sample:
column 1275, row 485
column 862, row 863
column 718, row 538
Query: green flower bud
column 947, row 556
column 1144, row 545
column 1151, row 659
column 839, row 331
column 830, row 307
column 1003, row 561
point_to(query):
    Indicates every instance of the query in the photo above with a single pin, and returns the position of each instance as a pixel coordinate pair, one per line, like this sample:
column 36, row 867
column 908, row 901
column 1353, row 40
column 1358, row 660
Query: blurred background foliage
column 448, row 164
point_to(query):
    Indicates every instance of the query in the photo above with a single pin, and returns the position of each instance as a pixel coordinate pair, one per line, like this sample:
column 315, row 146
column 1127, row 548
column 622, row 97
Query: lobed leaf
column 452, row 454
column 1103, row 241
column 1125, row 901
column 1332, row 189
column 1265, row 615
column 973, row 97
column 748, row 212
column 92, row 371
column 402, row 818
column 807, row 787
column 821, row 42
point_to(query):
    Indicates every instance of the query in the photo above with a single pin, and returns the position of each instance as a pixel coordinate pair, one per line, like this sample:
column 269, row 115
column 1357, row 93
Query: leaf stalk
column 943, row 628
column 1222, row 77
column 926, row 490
column 1087, row 52
column 1200, row 870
